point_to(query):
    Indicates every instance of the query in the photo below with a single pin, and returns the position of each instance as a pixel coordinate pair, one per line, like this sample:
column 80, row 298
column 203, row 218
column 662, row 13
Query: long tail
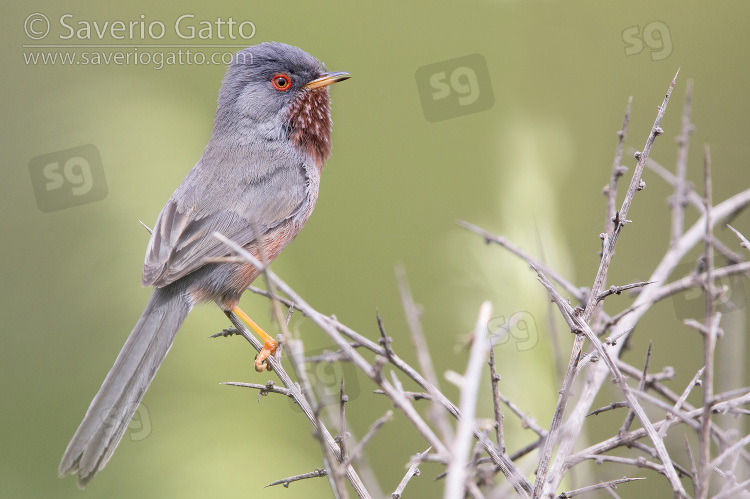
column 110, row 412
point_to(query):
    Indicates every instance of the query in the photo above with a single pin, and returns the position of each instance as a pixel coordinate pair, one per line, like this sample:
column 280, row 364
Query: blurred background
column 499, row 113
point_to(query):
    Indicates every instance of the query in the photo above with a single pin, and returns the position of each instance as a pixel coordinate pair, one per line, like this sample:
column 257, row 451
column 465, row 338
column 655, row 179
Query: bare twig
column 692, row 281
column 411, row 472
column 423, row 354
column 552, row 331
column 409, row 395
column 682, row 399
column 693, row 198
column 264, row 390
column 743, row 240
column 616, row 290
column 332, row 328
column 578, row 293
column 579, row 325
column 620, row 440
column 611, row 491
column 299, row 398
column 608, row 407
column 709, row 343
column 637, row 462
column 691, row 460
column 612, row 340
column 494, row 379
column 729, row 452
column 456, row 483
column 370, row 433
column 150, row 231
column 526, row 421
column 730, row 492
column 680, row 199
column 615, row 319
column 343, row 399
column 384, row 340
column 472, row 473
column 689, row 239
column 591, row 488
column 607, row 253
column 317, row 472
column 685, row 417
column 641, row 385
column 618, row 170
column 331, row 459
column 325, row 323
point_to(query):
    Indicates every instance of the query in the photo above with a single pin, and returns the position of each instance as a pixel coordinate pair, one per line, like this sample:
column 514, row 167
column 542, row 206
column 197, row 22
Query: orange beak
column 327, row 79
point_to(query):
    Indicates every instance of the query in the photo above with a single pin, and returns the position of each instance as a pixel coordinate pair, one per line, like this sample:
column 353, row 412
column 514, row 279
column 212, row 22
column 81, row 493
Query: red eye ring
column 281, row 82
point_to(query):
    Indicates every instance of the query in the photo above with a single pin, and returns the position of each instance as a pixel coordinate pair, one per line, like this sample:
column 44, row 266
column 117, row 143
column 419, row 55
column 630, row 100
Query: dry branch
column 477, row 467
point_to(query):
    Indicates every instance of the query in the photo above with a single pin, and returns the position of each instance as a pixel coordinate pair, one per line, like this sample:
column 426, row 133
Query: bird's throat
column 309, row 124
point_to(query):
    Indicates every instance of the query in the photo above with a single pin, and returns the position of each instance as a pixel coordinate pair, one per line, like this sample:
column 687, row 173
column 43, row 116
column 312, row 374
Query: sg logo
column 690, row 304
column 139, row 428
column 325, row 378
column 520, row 326
column 68, row 178
column 456, row 87
column 655, row 36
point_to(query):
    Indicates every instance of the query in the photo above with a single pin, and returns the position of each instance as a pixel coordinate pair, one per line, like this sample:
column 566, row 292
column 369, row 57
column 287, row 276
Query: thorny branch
column 458, row 439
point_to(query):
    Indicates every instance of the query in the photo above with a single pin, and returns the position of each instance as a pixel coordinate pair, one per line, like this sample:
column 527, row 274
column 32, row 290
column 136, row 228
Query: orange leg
column 269, row 344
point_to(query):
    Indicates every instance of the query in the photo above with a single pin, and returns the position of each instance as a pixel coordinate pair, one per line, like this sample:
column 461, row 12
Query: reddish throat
column 309, row 124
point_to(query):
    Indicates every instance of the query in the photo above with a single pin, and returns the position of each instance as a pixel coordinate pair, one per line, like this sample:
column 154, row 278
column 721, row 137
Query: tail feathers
column 110, row 412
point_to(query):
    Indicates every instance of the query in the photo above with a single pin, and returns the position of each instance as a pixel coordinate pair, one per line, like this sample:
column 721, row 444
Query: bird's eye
column 281, row 82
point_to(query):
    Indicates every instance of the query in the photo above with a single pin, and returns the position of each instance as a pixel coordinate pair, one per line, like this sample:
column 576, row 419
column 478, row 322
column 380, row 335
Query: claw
column 262, row 365
column 261, row 360
column 269, row 345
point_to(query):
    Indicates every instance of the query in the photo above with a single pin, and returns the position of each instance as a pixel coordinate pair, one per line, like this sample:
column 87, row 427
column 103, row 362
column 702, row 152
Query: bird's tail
column 110, row 412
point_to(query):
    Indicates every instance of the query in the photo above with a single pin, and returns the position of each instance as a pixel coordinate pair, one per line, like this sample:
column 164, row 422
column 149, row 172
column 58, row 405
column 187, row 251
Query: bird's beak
column 327, row 79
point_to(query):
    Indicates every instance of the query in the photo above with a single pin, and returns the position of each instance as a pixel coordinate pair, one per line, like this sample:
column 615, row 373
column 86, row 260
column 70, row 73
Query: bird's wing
column 182, row 239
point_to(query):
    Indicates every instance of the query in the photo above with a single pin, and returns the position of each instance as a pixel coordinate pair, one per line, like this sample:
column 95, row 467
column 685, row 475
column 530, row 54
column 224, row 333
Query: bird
column 256, row 183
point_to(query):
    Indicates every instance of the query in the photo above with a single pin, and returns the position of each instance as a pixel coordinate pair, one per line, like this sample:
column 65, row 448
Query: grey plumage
column 249, row 160
column 110, row 412
column 258, row 175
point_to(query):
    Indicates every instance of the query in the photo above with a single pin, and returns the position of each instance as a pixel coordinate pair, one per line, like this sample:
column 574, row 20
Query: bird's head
column 278, row 91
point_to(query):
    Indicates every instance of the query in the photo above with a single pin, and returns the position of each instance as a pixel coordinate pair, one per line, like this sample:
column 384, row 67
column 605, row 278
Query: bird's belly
column 225, row 282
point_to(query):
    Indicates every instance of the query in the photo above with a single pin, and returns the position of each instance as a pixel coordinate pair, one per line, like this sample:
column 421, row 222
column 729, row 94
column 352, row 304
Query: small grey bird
column 256, row 183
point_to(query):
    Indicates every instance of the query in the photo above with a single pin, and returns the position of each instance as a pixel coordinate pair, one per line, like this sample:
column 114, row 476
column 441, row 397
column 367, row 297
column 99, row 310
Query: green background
column 531, row 168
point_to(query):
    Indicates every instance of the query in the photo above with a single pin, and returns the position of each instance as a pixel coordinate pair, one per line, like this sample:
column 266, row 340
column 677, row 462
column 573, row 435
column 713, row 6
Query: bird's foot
column 261, row 360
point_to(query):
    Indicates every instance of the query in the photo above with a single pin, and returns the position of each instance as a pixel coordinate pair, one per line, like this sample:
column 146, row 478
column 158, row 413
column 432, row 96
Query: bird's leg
column 269, row 344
